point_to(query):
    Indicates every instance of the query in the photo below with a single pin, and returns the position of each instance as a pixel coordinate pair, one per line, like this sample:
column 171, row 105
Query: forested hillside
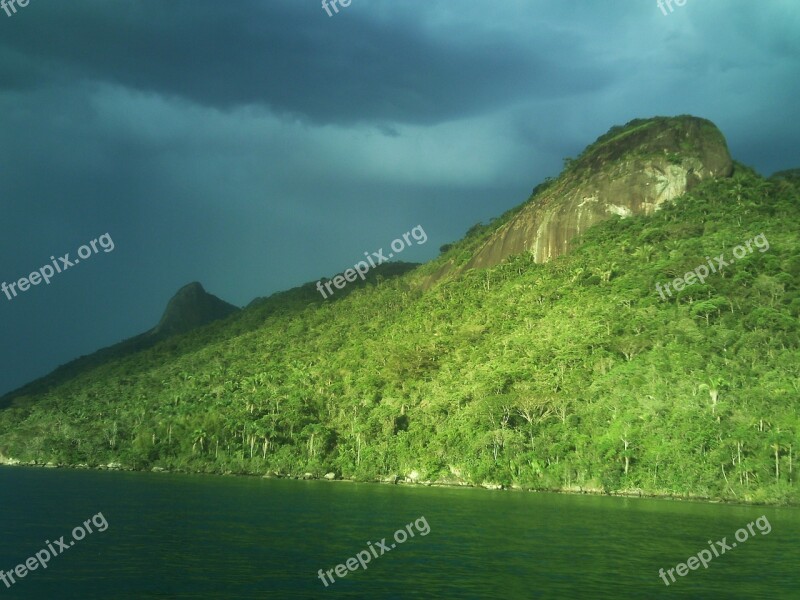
column 190, row 308
column 573, row 374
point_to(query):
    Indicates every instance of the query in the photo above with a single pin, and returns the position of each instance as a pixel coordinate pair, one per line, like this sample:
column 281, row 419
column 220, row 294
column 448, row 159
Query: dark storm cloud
column 256, row 145
column 286, row 56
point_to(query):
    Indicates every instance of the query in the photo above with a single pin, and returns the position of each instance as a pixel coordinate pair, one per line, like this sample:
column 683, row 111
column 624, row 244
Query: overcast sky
column 257, row 145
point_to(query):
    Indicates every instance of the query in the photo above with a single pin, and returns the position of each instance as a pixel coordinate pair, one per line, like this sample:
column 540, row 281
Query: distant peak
column 191, row 288
column 192, row 307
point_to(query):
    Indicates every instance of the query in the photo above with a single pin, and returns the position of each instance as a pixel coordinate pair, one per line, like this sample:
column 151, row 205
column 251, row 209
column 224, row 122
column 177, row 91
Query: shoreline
column 398, row 480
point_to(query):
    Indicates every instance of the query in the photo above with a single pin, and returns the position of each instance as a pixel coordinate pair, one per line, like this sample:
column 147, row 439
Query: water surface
column 185, row 536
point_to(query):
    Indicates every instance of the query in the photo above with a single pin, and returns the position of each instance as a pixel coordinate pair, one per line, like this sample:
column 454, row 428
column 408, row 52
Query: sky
column 256, row 145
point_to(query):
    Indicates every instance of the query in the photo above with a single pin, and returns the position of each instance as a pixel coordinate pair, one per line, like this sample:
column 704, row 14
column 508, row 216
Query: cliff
column 630, row 170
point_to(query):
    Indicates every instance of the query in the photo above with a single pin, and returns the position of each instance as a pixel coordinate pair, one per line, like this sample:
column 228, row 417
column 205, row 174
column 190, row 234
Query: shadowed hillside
column 190, row 308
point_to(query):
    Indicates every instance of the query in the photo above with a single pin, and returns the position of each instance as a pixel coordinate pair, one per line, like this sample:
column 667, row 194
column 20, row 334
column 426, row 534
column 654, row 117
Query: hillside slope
column 571, row 374
column 190, row 308
column 193, row 310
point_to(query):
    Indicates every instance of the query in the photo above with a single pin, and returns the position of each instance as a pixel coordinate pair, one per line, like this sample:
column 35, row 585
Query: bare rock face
column 630, row 170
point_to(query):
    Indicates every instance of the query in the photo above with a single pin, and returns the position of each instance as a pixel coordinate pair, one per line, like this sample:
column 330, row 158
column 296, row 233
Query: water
column 181, row 536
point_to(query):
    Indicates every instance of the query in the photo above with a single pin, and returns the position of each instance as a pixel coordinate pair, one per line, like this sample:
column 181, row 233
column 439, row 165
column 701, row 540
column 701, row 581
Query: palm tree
column 712, row 387
column 605, row 271
column 644, row 252
column 199, row 437
column 776, row 441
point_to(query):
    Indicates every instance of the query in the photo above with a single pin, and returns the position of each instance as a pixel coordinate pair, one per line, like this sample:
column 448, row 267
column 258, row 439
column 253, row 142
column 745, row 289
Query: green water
column 179, row 536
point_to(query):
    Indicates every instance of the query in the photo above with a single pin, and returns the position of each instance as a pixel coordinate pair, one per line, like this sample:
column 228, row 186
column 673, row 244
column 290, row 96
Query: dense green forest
column 573, row 374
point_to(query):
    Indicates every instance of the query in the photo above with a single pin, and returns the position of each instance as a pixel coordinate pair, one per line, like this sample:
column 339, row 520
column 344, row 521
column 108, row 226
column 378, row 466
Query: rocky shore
column 412, row 478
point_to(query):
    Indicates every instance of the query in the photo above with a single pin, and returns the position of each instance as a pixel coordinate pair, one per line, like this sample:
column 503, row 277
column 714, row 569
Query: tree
column 712, row 387
column 707, row 308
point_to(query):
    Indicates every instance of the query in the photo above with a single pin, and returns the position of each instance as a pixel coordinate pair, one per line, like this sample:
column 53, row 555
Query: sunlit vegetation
column 572, row 374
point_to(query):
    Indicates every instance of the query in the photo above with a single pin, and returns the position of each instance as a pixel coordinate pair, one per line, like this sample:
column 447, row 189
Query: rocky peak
column 189, row 308
column 630, row 170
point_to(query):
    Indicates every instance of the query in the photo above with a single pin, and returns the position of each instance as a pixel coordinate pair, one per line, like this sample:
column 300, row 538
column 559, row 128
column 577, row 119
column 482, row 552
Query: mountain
column 658, row 355
column 191, row 307
column 631, row 170
column 192, row 310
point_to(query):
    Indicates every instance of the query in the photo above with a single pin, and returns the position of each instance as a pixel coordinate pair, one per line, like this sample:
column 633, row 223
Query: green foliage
column 475, row 230
column 547, row 183
column 572, row 374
